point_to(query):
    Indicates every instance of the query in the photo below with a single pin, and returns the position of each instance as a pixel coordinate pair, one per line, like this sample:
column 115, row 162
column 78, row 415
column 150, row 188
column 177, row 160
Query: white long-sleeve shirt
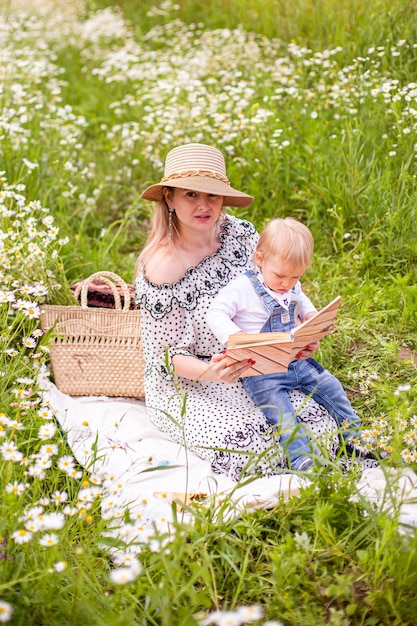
column 237, row 307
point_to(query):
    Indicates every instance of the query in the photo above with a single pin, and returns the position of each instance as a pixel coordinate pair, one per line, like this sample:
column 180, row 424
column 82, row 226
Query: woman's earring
column 217, row 227
column 170, row 212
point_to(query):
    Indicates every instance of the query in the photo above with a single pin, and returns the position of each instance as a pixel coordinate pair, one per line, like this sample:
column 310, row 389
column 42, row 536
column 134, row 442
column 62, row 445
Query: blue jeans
column 270, row 393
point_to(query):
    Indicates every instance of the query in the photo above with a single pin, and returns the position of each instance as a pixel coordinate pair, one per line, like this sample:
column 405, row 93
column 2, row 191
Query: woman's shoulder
column 239, row 238
column 154, row 284
column 238, row 227
column 163, row 267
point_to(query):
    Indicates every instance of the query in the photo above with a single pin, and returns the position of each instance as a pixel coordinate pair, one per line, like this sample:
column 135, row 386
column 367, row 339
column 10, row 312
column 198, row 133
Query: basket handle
column 104, row 276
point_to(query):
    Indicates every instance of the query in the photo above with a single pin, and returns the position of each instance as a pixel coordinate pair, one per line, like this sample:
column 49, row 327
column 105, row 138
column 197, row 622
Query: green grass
column 314, row 105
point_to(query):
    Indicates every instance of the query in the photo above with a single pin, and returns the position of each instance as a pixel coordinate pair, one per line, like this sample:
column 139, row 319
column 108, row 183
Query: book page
column 273, row 352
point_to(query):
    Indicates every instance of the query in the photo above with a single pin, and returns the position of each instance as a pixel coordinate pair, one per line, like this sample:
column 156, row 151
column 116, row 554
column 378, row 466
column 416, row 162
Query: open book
column 273, row 352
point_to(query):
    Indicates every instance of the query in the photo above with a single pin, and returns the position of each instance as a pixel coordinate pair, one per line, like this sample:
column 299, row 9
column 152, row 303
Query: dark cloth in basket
column 100, row 295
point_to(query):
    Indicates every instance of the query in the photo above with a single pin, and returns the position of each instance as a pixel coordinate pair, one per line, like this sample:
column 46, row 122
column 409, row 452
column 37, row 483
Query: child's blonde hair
column 288, row 239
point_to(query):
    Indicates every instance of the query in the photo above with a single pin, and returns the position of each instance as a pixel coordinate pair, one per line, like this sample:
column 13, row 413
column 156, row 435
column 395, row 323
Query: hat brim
column 231, row 197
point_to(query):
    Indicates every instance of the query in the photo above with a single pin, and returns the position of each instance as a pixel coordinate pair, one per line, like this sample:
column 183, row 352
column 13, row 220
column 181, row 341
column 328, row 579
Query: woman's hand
column 308, row 351
column 216, row 371
column 219, row 371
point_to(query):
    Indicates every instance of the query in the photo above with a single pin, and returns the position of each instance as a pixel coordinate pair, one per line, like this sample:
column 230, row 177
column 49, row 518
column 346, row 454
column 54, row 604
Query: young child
column 268, row 299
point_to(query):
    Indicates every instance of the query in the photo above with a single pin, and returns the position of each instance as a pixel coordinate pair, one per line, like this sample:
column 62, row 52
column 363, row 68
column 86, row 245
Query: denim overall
column 270, row 391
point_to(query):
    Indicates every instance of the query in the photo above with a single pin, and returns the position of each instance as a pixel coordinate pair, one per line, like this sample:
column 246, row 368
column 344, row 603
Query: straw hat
column 197, row 167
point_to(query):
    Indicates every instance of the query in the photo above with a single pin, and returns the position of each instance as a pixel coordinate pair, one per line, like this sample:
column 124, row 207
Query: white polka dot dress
column 217, row 421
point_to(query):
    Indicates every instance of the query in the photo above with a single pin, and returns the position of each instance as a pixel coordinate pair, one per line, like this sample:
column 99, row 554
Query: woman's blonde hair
column 288, row 239
column 159, row 233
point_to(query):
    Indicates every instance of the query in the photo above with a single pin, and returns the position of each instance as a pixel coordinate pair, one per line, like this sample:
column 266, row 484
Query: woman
column 193, row 250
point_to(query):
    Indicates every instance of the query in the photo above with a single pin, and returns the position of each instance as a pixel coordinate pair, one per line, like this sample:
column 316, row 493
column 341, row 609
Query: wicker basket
column 96, row 351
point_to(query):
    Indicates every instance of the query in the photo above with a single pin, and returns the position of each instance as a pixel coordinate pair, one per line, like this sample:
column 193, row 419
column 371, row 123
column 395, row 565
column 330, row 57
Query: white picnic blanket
column 145, row 471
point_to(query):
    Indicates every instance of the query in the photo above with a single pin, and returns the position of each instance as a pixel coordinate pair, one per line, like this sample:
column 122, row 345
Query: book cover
column 273, row 352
